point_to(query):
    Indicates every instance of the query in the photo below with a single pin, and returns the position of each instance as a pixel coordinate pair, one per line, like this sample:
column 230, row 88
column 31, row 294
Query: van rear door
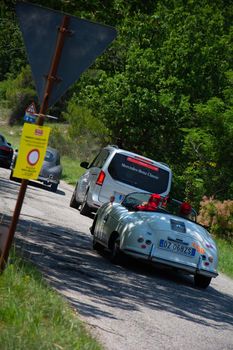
column 129, row 173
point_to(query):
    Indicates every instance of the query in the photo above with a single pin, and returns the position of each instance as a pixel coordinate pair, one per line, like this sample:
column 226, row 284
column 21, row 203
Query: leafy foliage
column 19, row 93
column 163, row 88
column 168, row 95
column 12, row 52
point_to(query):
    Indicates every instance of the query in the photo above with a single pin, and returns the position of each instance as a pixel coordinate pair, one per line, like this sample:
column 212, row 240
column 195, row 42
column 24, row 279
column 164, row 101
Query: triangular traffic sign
column 87, row 41
column 31, row 109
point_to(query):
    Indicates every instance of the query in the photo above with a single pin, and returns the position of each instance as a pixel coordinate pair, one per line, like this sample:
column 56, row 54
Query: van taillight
column 101, row 178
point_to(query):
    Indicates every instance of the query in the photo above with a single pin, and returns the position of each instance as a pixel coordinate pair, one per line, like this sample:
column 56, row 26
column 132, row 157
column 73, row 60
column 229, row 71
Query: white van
column 116, row 172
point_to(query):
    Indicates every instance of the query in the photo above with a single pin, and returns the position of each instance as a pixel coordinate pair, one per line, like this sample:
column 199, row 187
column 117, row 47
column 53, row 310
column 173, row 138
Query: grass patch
column 71, row 170
column 12, row 134
column 33, row 316
column 225, row 249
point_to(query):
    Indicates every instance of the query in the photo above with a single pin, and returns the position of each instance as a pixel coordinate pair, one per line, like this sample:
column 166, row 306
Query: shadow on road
column 31, row 183
column 68, row 262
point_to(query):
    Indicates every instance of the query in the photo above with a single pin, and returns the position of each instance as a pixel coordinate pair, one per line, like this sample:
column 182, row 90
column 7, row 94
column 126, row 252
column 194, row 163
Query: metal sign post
column 44, row 46
column 51, row 80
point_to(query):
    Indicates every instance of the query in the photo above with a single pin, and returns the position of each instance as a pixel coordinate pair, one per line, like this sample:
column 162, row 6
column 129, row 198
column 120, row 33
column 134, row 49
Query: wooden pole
column 51, row 80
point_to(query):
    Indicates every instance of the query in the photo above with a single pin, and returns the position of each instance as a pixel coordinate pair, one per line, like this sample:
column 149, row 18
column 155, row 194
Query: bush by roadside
column 217, row 216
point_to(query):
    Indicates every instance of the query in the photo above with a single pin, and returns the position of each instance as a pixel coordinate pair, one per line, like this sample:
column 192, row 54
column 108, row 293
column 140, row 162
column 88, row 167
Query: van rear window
column 138, row 173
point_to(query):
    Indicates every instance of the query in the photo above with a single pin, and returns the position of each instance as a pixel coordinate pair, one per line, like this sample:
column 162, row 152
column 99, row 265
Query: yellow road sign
column 32, row 149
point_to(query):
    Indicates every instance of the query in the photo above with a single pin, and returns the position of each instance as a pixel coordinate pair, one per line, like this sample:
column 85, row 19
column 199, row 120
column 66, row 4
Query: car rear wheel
column 92, row 228
column 12, row 178
column 116, row 254
column 96, row 245
column 201, row 281
column 73, row 202
column 54, row 187
column 85, row 209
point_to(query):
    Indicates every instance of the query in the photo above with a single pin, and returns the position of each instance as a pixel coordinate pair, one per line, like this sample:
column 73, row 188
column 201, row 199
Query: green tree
column 12, row 53
column 163, row 88
column 18, row 94
column 170, row 65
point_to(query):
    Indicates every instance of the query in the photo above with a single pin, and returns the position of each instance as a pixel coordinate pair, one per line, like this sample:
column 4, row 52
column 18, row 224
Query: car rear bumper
column 48, row 180
column 5, row 161
column 180, row 266
column 93, row 200
column 191, row 269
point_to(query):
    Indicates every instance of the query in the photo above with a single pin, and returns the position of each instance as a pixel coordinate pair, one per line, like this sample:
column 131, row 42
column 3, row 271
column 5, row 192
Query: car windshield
column 173, row 207
column 139, row 172
column 49, row 156
column 134, row 199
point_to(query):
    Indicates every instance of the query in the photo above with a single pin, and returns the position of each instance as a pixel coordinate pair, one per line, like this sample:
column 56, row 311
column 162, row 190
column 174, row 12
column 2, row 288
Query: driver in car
column 152, row 203
column 185, row 210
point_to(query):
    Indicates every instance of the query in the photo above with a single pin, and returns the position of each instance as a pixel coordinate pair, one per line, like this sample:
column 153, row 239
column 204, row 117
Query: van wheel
column 85, row 209
column 73, row 202
column 201, row 281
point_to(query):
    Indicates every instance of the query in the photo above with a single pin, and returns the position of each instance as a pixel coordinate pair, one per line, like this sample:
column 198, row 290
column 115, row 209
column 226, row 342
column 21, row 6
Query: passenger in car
column 185, row 210
column 151, row 205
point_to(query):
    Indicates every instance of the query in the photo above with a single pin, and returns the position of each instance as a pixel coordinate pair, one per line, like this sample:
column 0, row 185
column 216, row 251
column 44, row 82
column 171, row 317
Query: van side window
column 94, row 162
column 100, row 159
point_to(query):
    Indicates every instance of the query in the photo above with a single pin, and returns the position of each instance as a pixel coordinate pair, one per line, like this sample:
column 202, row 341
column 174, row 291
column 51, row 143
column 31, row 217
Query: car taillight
column 101, row 178
column 3, row 148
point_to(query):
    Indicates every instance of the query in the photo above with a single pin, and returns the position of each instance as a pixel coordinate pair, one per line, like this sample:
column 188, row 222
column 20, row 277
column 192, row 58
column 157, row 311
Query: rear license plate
column 118, row 197
column 177, row 248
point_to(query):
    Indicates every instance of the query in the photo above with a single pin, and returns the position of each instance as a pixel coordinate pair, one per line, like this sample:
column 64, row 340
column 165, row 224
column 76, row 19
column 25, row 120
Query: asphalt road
column 135, row 307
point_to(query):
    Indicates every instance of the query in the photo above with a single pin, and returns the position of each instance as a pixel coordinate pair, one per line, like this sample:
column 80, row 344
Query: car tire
column 96, row 245
column 12, row 178
column 201, row 281
column 116, row 256
column 85, row 209
column 54, row 187
column 73, row 203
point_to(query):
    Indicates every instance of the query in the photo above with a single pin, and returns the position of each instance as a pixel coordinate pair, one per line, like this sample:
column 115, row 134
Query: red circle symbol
column 33, row 156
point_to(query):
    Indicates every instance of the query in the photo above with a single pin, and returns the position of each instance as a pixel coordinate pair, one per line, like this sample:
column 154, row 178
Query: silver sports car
column 162, row 234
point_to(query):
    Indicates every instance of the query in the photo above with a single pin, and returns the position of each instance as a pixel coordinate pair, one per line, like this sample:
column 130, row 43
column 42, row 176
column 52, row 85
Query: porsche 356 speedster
column 160, row 234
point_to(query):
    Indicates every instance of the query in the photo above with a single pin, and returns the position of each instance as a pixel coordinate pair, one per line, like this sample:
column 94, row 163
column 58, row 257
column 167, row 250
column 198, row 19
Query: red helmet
column 154, row 198
column 185, row 208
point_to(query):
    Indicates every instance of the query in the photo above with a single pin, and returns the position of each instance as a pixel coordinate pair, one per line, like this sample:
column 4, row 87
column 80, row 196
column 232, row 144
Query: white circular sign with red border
column 33, row 156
